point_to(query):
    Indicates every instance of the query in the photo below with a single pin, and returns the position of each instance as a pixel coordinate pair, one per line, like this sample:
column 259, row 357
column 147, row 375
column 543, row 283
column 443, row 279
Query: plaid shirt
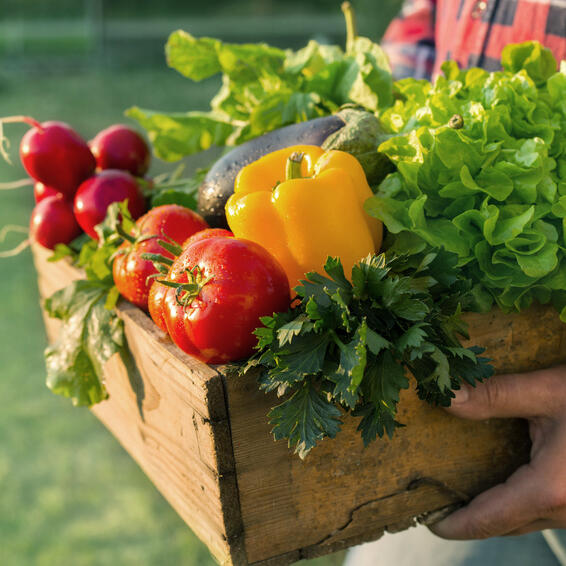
column 471, row 32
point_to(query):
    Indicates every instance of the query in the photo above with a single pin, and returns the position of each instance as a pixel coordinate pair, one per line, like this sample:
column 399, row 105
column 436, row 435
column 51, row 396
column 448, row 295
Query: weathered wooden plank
column 52, row 276
column 169, row 412
column 168, row 451
column 346, row 494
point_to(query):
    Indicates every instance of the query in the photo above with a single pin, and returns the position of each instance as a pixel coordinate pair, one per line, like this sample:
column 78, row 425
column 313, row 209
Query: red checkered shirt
column 470, row 32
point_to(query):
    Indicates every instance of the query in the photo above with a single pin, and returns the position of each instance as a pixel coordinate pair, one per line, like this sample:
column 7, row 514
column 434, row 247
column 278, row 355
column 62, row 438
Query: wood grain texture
column 201, row 434
column 169, row 412
column 345, row 494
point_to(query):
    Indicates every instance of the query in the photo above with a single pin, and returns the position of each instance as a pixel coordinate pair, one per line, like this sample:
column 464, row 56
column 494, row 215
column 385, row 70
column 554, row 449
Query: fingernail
column 462, row 395
column 439, row 528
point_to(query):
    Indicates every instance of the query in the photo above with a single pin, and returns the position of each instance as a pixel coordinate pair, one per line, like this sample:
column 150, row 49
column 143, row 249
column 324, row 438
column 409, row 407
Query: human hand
column 534, row 497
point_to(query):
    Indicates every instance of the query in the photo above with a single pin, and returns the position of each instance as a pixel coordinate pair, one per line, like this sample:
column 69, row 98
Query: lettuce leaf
column 481, row 172
column 264, row 88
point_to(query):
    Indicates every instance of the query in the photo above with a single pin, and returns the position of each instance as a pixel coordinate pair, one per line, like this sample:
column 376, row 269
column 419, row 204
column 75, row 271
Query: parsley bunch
column 348, row 346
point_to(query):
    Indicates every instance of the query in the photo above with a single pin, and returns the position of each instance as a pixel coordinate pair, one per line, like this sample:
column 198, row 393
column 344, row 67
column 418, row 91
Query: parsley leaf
column 305, row 418
column 349, row 346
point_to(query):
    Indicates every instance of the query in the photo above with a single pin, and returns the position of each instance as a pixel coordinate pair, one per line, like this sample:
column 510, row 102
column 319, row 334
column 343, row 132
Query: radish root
column 15, row 184
column 4, row 145
column 4, row 141
column 17, row 250
column 21, row 246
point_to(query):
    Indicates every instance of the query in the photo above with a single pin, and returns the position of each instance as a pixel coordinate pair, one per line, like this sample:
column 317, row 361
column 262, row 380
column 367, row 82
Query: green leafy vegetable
column 91, row 331
column 90, row 335
column 264, row 88
column 347, row 347
column 174, row 189
column 305, row 418
column 176, row 135
column 481, row 172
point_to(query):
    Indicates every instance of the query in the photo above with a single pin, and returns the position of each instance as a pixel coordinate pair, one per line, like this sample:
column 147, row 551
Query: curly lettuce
column 481, row 172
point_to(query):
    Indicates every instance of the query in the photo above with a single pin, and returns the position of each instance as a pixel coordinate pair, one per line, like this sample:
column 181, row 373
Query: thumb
column 523, row 395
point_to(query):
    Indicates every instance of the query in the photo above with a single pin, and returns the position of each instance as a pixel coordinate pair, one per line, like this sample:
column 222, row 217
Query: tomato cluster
column 133, row 273
column 209, row 292
column 76, row 181
column 215, row 293
column 204, row 287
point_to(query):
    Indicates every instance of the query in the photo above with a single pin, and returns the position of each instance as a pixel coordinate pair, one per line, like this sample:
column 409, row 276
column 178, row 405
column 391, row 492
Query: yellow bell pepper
column 304, row 204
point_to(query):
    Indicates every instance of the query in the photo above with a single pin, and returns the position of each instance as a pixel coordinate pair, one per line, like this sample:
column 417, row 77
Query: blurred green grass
column 70, row 494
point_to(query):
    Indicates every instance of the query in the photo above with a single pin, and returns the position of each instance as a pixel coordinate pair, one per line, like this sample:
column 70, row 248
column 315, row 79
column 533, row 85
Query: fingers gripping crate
column 202, row 437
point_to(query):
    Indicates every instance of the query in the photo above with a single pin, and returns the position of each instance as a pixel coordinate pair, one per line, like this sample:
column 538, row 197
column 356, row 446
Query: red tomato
column 98, row 192
column 157, row 291
column 209, row 233
column 235, row 282
column 155, row 300
column 132, row 273
column 175, row 222
column 53, row 222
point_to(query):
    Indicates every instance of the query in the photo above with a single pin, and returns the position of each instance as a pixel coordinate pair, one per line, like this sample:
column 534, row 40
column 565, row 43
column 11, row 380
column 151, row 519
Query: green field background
column 69, row 493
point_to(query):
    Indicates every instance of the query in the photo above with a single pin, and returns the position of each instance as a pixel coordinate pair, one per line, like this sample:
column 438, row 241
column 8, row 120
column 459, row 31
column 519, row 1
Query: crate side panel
column 169, row 412
column 168, row 445
column 344, row 494
column 176, row 410
column 52, row 276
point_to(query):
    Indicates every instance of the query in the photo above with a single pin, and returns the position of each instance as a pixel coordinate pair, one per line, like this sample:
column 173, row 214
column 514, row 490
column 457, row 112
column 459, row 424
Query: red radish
column 53, row 222
column 54, row 154
column 41, row 191
column 97, row 193
column 121, row 147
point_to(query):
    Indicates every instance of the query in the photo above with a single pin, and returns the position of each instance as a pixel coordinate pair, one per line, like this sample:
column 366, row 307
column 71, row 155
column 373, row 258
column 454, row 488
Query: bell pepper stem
column 351, row 31
column 293, row 167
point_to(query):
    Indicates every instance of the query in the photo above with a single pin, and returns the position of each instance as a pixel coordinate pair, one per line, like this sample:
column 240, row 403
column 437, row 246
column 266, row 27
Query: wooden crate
column 202, row 437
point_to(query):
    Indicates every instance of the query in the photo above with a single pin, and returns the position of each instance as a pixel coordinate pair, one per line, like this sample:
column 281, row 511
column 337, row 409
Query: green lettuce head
column 481, row 172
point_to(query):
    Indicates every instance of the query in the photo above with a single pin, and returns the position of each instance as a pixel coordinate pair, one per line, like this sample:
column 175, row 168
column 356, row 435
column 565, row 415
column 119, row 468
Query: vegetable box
column 201, row 435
